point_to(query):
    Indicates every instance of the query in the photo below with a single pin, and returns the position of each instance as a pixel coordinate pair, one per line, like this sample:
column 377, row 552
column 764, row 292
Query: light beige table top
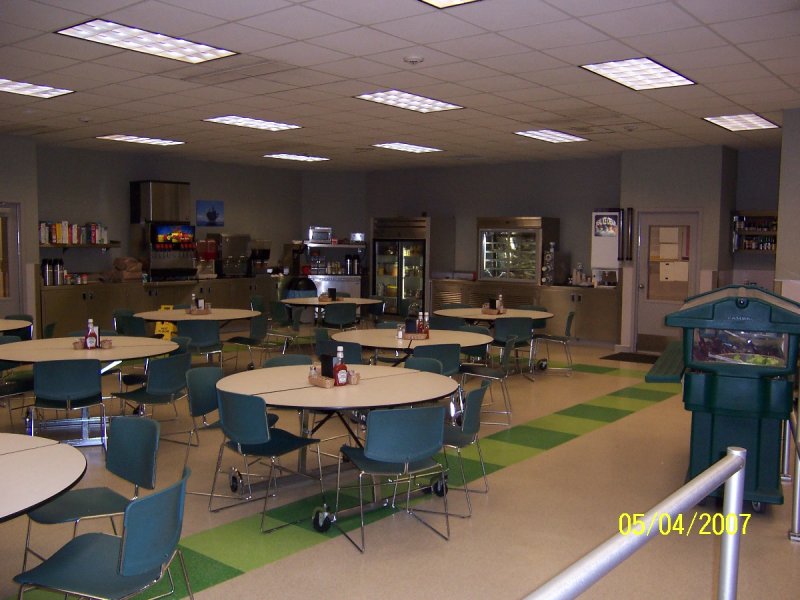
column 122, row 348
column 475, row 314
column 288, row 387
column 9, row 324
column 35, row 469
column 315, row 301
column 180, row 314
column 386, row 339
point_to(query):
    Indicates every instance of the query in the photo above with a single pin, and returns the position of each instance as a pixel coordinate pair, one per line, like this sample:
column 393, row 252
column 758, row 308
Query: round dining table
column 476, row 314
column 386, row 339
column 34, row 470
column 11, row 324
column 316, row 302
column 214, row 314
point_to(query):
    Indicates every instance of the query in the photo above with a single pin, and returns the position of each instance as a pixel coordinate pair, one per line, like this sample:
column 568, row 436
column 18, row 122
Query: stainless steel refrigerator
column 400, row 260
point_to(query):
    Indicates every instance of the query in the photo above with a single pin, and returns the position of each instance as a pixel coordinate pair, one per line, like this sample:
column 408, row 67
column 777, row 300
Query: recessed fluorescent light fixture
column 406, row 147
column 148, row 42
column 31, row 89
column 446, row 3
column 639, row 74
column 549, row 135
column 139, row 140
column 741, row 122
column 300, row 157
column 252, row 123
column 408, row 101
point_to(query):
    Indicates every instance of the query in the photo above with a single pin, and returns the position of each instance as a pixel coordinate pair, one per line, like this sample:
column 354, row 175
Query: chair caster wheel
column 251, row 367
column 541, row 364
column 235, row 480
column 321, row 521
column 439, row 486
column 758, row 507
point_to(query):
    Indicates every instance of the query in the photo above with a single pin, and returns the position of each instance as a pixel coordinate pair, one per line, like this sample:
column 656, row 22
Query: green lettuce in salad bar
column 757, row 348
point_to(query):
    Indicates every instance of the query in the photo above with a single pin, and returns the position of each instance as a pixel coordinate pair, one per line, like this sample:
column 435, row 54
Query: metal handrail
column 587, row 570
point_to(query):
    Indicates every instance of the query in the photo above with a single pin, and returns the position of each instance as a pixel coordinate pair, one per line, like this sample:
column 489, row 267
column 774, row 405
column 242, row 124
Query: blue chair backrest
column 449, row 323
column 257, row 303
column 183, row 342
column 243, row 418
column 8, row 364
column 352, row 350
column 518, row 326
column 286, row 360
column 130, row 325
column 471, row 418
column 203, row 333
column 404, row 435
column 258, row 327
column 133, row 450
column 340, row 314
column 153, row 526
column 167, row 375
column 429, row 365
column 279, row 313
column 537, row 323
column 568, row 326
column 478, row 352
column 447, row 354
column 64, row 380
column 201, row 387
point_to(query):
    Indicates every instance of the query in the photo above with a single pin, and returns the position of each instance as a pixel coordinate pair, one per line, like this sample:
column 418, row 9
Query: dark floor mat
column 632, row 357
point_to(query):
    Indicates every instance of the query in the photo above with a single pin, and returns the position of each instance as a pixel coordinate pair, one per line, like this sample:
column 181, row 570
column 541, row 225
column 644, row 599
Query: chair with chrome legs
column 166, row 383
column 132, row 453
column 248, row 434
column 519, row 327
column 204, row 336
column 98, row 565
column 564, row 340
column 462, row 436
column 495, row 374
column 401, row 446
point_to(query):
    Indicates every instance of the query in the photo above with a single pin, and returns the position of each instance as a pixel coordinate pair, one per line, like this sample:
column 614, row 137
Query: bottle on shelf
column 194, row 300
column 91, row 340
column 499, row 303
column 339, row 368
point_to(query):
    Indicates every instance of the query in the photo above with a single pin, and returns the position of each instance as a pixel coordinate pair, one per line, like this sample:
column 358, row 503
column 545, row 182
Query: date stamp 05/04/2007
column 699, row 524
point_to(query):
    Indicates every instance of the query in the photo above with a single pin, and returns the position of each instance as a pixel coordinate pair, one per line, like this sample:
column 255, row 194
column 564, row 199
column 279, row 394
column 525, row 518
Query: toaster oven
column 320, row 235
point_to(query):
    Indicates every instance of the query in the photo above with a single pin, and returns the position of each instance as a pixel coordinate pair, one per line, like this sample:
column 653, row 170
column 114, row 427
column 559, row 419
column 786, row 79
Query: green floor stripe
column 642, row 393
column 229, row 550
column 567, row 424
column 595, row 413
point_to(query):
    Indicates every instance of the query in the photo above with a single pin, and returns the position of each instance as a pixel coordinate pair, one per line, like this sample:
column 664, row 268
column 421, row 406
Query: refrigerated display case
column 512, row 248
column 400, row 263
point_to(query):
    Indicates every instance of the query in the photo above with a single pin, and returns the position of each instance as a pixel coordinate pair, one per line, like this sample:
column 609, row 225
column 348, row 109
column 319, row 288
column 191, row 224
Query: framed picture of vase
column 210, row 213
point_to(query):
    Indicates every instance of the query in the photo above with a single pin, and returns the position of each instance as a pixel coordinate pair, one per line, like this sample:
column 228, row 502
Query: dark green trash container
column 740, row 349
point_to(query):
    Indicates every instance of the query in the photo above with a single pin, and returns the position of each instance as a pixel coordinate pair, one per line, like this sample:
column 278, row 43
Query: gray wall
column 568, row 190
column 335, row 200
column 787, row 265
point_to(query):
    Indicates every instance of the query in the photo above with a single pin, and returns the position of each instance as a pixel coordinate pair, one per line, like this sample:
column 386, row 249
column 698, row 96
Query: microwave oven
column 320, row 235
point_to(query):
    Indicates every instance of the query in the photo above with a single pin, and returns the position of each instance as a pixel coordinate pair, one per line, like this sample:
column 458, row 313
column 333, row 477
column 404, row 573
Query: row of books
column 64, row 232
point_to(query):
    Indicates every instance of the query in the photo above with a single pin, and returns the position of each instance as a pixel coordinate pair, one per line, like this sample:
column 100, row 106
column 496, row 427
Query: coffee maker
column 259, row 258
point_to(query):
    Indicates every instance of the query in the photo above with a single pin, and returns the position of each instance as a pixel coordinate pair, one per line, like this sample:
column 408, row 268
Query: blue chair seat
column 99, row 555
column 378, row 467
column 482, row 371
column 81, row 503
column 280, row 442
column 454, row 436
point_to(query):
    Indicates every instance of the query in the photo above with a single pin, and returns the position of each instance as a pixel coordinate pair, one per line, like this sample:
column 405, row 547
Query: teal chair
column 401, row 444
column 48, row 331
column 521, row 328
column 376, row 311
column 257, row 303
column 458, row 437
column 353, row 352
column 132, row 454
column 204, row 336
column 340, row 315
column 284, row 326
column 448, row 354
column 495, row 375
column 130, row 325
column 476, row 354
column 564, row 340
column 448, row 323
column 166, row 383
column 98, row 565
column 249, row 436
column 386, row 325
column 14, row 382
column 287, row 360
column 68, row 385
column 201, row 390
column 256, row 338
column 429, row 365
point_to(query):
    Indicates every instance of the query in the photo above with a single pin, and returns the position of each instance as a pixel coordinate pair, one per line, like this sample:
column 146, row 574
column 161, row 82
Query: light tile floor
column 583, row 450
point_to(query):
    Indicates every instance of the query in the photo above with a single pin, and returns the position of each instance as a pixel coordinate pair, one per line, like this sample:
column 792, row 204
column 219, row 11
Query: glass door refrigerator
column 400, row 264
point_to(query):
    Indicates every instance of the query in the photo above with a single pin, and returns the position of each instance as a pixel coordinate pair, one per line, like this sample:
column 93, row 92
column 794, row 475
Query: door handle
column 641, row 286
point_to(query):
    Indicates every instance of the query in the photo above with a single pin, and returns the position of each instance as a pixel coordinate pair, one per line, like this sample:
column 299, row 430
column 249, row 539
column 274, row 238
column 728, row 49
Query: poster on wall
column 210, row 213
column 606, row 224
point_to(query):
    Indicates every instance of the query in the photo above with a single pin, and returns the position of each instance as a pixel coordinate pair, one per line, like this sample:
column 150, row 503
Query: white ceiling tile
column 68, row 47
column 580, row 8
column 654, row 18
column 717, row 11
column 298, row 23
column 362, row 41
column 34, row 15
column 778, row 25
column 686, row 62
column 783, row 66
column 524, row 62
column 508, row 14
column 583, row 54
column 355, row 68
column 230, row 11
column 555, row 35
column 367, row 13
column 163, row 18
column 488, row 45
column 680, row 40
column 301, row 54
column 239, row 38
column 497, row 84
column 460, row 71
column 776, row 48
column 35, row 61
column 425, row 29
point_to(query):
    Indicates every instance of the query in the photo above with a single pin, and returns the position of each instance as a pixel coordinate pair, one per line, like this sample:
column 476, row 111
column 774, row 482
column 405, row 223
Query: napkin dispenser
column 326, row 364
